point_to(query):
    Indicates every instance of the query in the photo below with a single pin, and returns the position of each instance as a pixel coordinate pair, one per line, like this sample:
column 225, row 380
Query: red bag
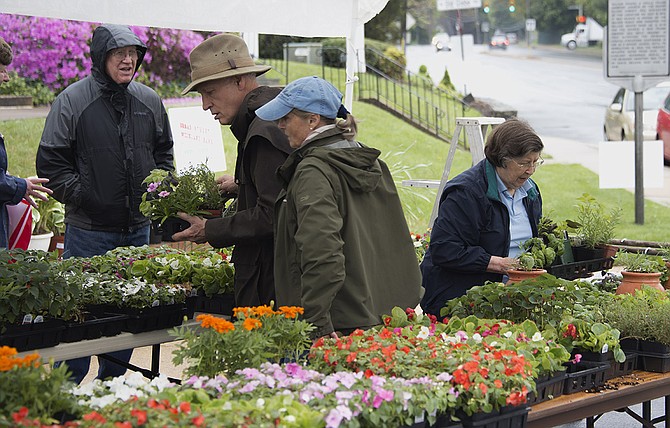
column 20, row 225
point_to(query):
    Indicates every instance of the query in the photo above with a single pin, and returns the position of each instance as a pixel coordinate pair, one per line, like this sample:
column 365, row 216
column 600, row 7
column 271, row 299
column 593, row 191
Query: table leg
column 155, row 358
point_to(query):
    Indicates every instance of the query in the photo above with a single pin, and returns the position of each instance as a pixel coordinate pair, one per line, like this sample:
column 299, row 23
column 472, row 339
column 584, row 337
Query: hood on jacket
column 107, row 37
column 359, row 166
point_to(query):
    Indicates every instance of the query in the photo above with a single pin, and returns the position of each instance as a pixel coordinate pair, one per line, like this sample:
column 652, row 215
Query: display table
column 583, row 405
column 86, row 348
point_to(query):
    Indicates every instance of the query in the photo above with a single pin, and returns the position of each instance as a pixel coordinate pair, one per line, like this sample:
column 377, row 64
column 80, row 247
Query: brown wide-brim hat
column 221, row 56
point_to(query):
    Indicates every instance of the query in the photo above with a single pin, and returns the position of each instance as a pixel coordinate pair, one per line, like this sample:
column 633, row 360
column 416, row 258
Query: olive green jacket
column 342, row 247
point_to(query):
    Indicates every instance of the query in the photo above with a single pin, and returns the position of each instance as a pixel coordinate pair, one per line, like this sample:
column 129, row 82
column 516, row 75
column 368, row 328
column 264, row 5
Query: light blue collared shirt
column 519, row 225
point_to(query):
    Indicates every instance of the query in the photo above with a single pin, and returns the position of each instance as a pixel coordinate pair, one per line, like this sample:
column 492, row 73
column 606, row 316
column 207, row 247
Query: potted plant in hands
column 594, row 228
column 535, row 258
column 193, row 191
column 638, row 270
column 48, row 222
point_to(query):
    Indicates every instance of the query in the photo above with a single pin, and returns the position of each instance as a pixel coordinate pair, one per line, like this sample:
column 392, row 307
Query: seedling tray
column 582, row 269
column 584, row 375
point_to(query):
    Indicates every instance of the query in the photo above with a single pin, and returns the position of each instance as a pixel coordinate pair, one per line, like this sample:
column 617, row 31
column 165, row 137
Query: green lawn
column 411, row 153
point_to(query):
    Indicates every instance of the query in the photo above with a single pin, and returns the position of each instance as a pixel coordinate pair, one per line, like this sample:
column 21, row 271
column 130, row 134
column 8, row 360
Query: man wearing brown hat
column 224, row 74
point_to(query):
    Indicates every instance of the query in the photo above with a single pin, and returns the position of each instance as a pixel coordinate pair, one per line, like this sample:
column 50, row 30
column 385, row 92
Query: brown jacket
column 261, row 149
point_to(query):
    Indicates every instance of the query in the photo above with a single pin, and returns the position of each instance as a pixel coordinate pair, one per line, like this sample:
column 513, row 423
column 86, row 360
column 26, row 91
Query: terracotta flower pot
column 520, row 275
column 635, row 280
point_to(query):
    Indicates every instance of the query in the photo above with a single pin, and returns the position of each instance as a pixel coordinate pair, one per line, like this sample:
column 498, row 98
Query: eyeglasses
column 121, row 54
column 529, row 165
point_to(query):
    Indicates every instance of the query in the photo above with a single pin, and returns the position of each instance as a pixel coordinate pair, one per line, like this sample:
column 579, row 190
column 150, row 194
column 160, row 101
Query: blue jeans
column 86, row 243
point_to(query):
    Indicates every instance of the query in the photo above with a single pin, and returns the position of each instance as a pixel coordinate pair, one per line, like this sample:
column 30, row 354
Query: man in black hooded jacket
column 102, row 137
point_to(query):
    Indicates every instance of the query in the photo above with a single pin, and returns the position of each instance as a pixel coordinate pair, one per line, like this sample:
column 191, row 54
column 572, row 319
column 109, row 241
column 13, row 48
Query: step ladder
column 476, row 128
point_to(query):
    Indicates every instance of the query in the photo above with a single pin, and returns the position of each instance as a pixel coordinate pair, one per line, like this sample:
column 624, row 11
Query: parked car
column 620, row 114
column 663, row 128
column 499, row 41
column 441, row 42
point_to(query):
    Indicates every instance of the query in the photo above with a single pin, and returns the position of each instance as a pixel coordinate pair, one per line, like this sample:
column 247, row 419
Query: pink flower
column 153, row 186
column 164, row 194
column 578, row 358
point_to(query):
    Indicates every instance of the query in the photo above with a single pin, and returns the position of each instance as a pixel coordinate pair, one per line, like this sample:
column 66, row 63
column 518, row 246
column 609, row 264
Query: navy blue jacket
column 471, row 226
column 12, row 190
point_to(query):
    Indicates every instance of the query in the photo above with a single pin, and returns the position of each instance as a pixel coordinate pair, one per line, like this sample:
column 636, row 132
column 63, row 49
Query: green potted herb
column 642, row 315
column 533, row 261
column 594, row 227
column 640, row 269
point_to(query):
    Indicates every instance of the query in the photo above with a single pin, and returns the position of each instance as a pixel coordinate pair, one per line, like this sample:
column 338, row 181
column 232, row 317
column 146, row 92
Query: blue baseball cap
column 311, row 94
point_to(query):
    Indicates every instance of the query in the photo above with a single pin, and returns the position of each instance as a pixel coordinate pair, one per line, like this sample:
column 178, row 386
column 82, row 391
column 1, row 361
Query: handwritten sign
column 197, row 138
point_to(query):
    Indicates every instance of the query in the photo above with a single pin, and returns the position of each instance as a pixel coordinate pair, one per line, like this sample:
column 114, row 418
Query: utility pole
column 528, row 16
column 403, row 27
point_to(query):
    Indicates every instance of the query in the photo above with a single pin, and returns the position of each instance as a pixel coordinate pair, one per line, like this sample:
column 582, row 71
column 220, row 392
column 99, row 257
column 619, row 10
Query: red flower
column 140, row 415
column 123, row 425
column 95, row 417
column 517, row 398
column 20, row 415
column 185, row 407
column 483, row 387
column 410, row 313
column 198, row 420
column 387, row 320
column 368, row 373
column 351, row 357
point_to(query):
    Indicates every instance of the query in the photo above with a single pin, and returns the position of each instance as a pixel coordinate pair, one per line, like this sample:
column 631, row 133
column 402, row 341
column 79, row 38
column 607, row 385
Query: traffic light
column 512, row 6
column 487, row 9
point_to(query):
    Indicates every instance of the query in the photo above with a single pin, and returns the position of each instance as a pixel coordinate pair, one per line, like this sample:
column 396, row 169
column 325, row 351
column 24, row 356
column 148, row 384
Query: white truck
column 586, row 33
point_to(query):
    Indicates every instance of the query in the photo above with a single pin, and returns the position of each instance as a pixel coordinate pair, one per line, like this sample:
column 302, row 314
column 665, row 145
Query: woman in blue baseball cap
column 343, row 250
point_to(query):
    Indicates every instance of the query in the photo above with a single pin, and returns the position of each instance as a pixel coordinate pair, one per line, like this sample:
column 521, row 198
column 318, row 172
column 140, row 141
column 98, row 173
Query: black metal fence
column 388, row 84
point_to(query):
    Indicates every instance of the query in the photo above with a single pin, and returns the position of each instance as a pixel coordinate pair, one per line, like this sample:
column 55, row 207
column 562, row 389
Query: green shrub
column 18, row 85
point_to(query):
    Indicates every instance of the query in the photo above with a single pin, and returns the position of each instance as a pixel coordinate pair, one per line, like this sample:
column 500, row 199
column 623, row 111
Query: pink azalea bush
column 56, row 52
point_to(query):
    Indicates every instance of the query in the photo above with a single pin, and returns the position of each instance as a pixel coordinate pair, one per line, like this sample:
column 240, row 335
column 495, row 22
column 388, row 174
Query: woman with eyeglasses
column 484, row 214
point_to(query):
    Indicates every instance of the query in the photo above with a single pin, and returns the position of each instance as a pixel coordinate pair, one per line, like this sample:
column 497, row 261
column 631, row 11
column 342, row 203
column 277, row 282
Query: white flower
column 423, row 333
column 260, row 403
column 207, row 263
column 175, row 264
column 227, row 406
column 289, row 418
column 100, row 402
column 508, row 334
column 537, row 337
column 477, row 337
column 161, row 382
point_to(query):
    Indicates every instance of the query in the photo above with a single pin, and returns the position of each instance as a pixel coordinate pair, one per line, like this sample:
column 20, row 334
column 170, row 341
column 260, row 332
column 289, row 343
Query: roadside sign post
column 443, row 5
column 637, row 57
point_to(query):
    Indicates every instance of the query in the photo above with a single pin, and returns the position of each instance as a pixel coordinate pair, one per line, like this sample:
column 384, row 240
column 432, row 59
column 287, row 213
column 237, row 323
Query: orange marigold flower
column 291, row 311
column 6, row 351
column 262, row 311
column 243, row 310
column 252, row 323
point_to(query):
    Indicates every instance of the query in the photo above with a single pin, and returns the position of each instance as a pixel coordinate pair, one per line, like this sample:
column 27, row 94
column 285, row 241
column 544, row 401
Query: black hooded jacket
column 101, row 140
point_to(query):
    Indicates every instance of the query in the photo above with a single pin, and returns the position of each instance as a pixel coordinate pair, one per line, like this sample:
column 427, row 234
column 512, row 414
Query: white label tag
column 156, row 303
column 27, row 319
column 605, row 349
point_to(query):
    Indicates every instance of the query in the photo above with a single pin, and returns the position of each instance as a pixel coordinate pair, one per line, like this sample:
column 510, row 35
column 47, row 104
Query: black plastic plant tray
column 583, row 269
column 584, row 375
column 26, row 337
column 95, row 326
column 548, row 389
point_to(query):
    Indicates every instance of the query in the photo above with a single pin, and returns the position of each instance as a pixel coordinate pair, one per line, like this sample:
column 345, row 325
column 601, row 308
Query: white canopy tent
column 313, row 18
